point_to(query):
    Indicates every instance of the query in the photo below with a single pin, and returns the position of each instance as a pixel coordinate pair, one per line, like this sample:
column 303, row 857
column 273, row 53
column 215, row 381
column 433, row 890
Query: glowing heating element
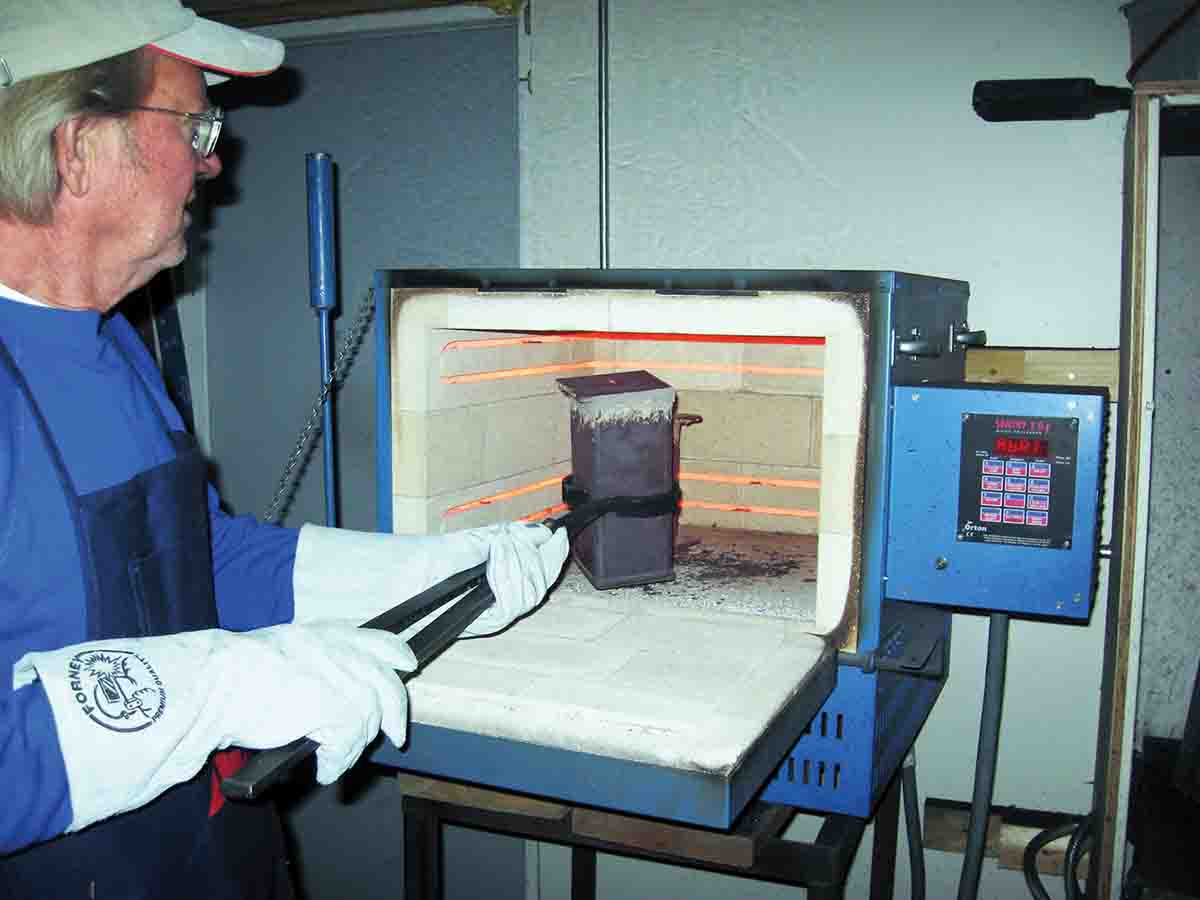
column 744, row 480
column 758, row 510
column 596, row 365
column 569, row 336
column 619, row 364
column 750, row 480
column 503, row 495
column 719, row 504
column 480, row 431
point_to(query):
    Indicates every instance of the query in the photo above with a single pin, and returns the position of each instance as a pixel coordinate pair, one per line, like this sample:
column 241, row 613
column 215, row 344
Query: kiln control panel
column 994, row 497
column 1017, row 479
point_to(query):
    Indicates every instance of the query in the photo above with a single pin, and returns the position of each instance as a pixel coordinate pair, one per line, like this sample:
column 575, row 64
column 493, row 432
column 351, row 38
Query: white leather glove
column 354, row 575
column 138, row 715
column 524, row 561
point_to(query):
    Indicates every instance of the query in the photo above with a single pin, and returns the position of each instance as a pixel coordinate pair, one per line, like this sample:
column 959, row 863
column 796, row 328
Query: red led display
column 1034, row 448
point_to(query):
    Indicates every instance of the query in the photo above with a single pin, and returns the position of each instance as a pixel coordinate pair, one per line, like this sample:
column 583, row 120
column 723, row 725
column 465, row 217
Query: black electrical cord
column 1029, row 858
column 912, row 821
column 1080, row 834
column 1080, row 843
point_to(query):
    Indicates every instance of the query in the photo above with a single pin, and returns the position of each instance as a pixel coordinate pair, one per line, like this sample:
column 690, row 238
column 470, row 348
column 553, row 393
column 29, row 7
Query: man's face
column 156, row 177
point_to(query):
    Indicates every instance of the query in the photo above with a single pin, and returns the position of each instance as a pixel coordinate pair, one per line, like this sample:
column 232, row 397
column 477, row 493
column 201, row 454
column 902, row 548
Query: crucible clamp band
column 643, row 507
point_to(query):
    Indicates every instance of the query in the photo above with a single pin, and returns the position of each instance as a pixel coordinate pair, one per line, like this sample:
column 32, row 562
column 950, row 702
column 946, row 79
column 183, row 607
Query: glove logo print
column 116, row 689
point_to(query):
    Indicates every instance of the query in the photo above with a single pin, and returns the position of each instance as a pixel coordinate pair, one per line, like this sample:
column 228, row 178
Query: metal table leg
column 883, row 847
column 754, row 849
column 422, row 850
column 583, row 873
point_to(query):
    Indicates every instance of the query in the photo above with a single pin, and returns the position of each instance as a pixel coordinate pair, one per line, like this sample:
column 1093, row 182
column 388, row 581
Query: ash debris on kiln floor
column 711, row 554
column 752, row 572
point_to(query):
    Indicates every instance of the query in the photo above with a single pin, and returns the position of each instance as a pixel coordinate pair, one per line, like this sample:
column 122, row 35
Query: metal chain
column 345, row 356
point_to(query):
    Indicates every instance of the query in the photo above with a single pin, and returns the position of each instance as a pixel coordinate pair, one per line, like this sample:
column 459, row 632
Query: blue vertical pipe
column 322, row 296
column 383, row 402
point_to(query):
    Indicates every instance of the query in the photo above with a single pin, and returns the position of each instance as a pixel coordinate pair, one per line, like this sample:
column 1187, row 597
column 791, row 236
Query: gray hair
column 31, row 111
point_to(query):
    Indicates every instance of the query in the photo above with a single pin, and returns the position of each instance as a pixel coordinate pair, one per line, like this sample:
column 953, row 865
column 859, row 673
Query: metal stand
column 753, row 848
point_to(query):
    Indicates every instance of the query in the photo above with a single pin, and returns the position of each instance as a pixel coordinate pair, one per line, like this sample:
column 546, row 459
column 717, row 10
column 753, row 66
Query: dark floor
column 1164, row 828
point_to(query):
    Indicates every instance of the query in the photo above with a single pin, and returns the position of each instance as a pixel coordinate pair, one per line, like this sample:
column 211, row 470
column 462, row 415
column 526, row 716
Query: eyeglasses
column 206, row 126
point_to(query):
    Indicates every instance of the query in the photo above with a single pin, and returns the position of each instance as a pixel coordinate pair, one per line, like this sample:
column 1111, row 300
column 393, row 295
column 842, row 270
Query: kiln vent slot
column 818, row 762
column 826, row 774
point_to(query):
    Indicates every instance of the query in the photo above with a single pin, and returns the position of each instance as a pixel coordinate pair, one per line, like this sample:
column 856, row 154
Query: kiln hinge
column 914, row 648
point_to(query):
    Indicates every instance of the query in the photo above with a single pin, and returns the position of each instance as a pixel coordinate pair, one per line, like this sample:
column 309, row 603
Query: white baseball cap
column 38, row 37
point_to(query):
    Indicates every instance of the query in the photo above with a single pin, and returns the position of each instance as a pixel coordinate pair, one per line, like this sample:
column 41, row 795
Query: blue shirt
column 89, row 374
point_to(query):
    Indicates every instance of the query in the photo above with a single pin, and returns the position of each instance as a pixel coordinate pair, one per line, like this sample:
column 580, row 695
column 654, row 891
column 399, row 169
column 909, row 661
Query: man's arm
column 252, row 569
column 37, row 802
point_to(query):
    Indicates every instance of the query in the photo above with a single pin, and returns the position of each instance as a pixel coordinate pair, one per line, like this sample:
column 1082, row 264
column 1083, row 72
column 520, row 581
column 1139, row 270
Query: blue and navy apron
column 147, row 563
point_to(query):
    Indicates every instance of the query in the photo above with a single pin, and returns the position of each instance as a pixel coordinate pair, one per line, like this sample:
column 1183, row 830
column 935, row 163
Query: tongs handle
column 267, row 768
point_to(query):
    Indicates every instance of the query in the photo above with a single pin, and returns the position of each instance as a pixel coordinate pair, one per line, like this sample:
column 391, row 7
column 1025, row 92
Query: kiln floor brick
column 756, row 572
column 685, row 674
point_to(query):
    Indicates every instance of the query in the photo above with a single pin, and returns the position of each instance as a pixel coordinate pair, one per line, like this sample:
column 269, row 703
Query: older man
column 145, row 630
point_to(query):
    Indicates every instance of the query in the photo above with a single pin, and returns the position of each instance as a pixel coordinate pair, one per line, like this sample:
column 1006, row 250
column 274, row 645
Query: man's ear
column 77, row 152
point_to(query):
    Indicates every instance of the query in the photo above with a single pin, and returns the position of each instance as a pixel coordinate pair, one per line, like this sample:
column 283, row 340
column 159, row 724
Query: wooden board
column 1010, row 831
column 1014, row 839
column 1118, row 687
column 1064, row 368
column 1166, row 88
column 661, row 837
column 478, row 797
column 946, row 823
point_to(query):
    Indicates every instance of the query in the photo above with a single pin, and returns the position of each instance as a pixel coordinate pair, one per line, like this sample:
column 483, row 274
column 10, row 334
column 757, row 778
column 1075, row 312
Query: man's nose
column 208, row 167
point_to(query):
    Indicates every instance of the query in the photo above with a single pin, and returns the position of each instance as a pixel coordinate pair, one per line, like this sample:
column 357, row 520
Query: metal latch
column 916, row 344
column 915, row 648
column 918, row 653
column 961, row 337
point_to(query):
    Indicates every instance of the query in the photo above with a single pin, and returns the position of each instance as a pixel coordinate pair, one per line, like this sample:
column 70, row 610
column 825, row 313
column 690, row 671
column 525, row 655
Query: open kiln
column 677, row 700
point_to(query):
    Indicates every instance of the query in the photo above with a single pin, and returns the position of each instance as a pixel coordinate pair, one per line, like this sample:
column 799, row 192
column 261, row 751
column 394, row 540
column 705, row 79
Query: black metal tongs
column 471, row 595
column 267, row 768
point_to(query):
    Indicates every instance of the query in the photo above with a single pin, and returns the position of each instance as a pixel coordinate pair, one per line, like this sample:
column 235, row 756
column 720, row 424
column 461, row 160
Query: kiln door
column 625, row 700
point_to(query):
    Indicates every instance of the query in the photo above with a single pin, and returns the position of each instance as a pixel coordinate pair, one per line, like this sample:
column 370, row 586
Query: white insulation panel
column 636, row 673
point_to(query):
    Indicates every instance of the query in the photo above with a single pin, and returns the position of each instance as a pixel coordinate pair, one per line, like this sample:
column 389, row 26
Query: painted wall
column 425, row 174
column 421, row 124
column 783, row 133
column 828, row 134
